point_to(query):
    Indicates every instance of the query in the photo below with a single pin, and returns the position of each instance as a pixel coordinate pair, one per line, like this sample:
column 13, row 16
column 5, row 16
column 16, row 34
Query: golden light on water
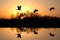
column 28, row 34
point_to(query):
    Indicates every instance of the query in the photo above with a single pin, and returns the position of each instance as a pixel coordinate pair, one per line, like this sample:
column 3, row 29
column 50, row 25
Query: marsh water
column 29, row 33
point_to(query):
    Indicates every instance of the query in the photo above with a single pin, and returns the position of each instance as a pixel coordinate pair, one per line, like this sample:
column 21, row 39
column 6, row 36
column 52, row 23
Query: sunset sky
column 8, row 7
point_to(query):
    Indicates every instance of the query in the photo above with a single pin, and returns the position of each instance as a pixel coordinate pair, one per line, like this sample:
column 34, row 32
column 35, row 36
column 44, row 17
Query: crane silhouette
column 52, row 8
column 19, row 7
column 35, row 10
column 35, row 32
column 51, row 34
column 18, row 35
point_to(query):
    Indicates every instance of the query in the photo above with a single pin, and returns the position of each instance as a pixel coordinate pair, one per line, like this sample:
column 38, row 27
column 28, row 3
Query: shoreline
column 35, row 22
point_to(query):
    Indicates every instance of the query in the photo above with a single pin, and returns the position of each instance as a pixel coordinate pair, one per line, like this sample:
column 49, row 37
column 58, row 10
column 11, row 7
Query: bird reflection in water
column 29, row 30
column 35, row 32
column 52, row 34
column 18, row 35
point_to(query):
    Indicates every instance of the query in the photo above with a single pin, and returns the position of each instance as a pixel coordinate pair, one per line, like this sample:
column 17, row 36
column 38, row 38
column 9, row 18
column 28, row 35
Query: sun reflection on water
column 29, row 33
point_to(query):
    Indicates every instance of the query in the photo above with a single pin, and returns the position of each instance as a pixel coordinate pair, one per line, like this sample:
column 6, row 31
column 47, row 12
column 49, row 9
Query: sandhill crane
column 18, row 35
column 19, row 7
column 52, row 8
column 51, row 34
column 35, row 32
column 35, row 10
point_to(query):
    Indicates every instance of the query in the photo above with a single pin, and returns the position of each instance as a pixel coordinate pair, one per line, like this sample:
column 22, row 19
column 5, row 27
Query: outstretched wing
column 35, row 10
column 19, row 7
column 52, row 8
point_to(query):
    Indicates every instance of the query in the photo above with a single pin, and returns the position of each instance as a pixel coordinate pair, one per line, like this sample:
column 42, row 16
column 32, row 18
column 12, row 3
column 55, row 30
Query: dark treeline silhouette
column 33, row 21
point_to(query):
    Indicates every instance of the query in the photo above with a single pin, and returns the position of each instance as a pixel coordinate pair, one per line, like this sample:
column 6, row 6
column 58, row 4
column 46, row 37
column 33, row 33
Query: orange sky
column 8, row 7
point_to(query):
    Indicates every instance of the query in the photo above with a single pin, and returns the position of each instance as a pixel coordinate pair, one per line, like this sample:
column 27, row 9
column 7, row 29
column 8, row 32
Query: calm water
column 29, row 33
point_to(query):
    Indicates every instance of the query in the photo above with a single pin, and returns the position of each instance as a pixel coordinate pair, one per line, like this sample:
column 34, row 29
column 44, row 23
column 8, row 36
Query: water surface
column 28, row 33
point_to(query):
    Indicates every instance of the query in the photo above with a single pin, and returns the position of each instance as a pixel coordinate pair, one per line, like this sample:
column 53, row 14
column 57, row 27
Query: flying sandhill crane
column 35, row 10
column 52, row 8
column 35, row 32
column 51, row 34
column 19, row 7
column 18, row 36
